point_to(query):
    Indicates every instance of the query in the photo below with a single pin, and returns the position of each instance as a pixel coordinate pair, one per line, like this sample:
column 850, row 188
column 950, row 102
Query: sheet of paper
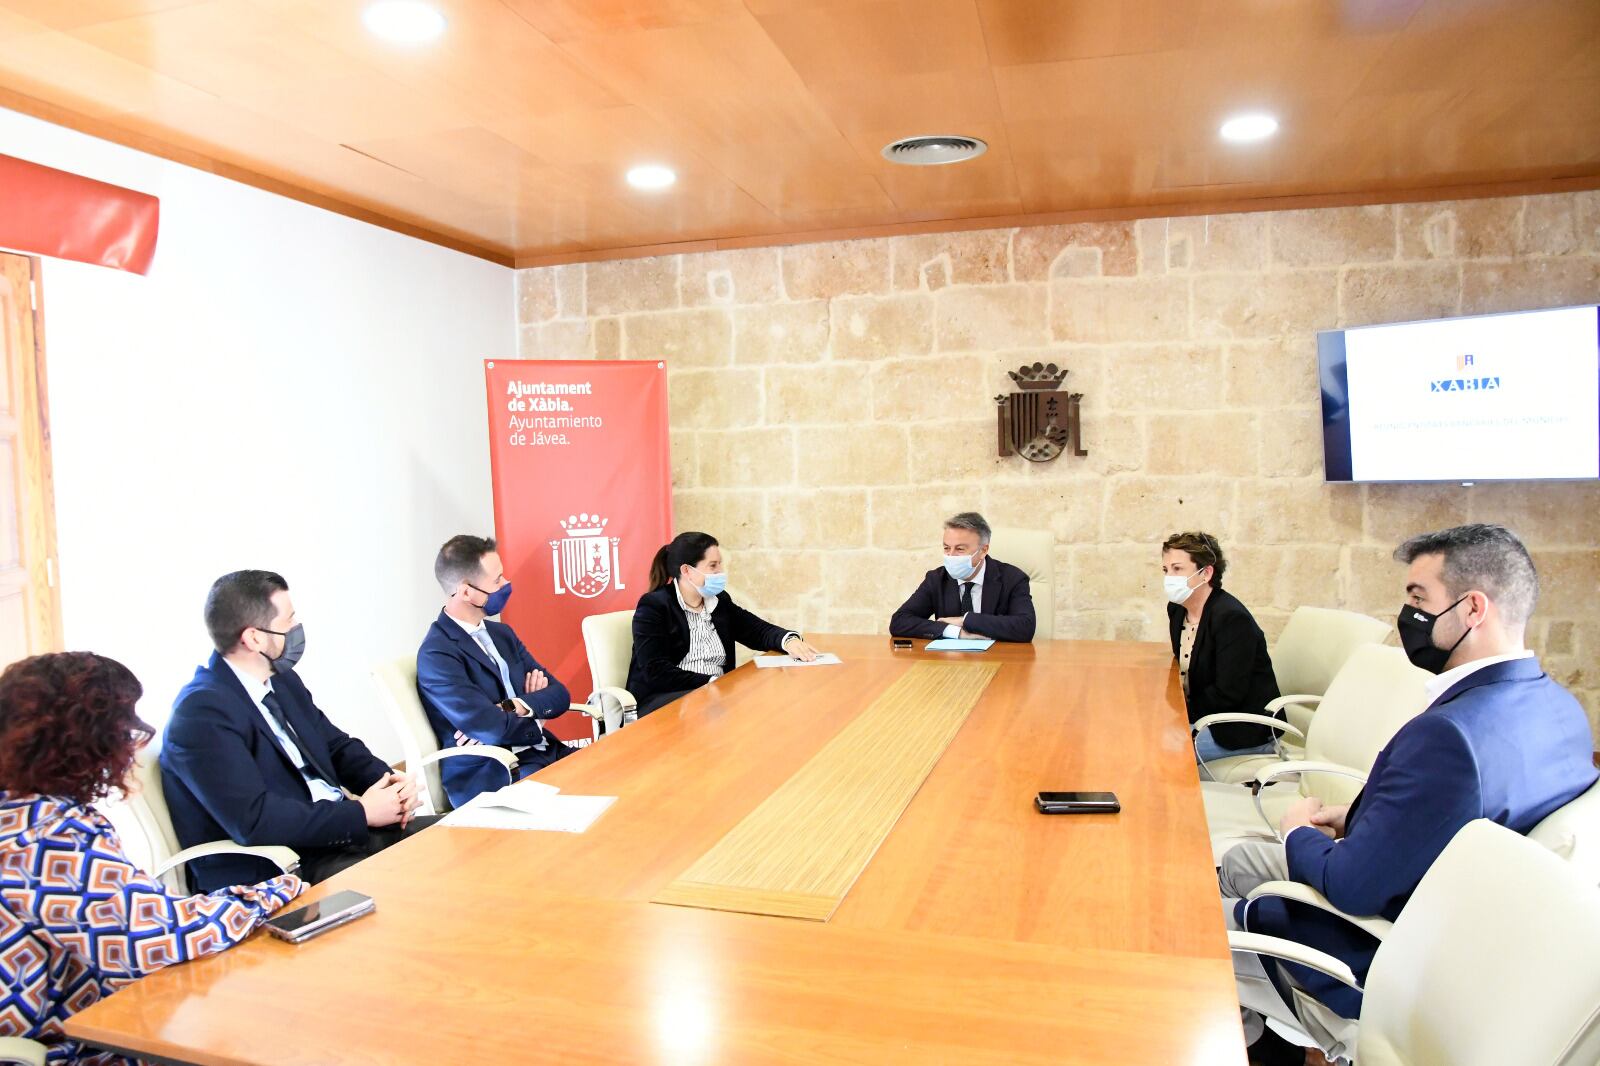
column 553, row 814
column 768, row 661
column 523, row 796
column 960, row 644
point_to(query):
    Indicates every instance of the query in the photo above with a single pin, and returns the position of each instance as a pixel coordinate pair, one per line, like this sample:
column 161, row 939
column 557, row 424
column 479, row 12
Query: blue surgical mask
column 959, row 567
column 497, row 599
column 714, row 584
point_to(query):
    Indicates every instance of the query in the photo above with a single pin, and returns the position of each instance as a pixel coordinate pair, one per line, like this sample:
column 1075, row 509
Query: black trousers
column 660, row 700
column 322, row 863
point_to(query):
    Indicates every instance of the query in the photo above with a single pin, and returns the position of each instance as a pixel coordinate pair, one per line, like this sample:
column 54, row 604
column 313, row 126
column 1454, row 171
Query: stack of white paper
column 529, row 805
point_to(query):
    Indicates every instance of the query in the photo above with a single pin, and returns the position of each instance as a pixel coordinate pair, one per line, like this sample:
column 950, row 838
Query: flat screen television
column 1508, row 397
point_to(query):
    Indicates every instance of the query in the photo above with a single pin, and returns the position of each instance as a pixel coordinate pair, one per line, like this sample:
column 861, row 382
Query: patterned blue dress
column 79, row 921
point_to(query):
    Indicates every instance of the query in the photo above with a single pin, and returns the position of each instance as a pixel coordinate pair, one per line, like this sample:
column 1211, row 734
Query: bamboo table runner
column 798, row 853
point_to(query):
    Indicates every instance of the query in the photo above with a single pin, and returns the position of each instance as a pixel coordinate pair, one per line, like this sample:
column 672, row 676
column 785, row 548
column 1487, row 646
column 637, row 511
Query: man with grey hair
column 971, row 595
column 1499, row 740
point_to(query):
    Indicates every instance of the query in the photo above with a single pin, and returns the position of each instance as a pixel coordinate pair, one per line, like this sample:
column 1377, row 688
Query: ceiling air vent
column 933, row 151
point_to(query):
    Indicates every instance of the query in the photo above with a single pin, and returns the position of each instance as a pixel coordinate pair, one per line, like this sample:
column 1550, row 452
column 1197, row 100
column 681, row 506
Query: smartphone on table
column 1077, row 803
column 314, row 919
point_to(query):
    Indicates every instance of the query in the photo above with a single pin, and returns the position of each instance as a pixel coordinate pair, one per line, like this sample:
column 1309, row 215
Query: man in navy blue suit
column 1499, row 740
column 477, row 681
column 971, row 595
column 248, row 756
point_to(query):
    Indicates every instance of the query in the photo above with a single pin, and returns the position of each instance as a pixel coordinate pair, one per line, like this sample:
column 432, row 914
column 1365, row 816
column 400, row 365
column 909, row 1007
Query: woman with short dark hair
column 685, row 627
column 68, row 737
column 1221, row 652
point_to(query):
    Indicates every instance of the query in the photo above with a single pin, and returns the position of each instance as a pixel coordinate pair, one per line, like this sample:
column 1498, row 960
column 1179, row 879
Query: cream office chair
column 1033, row 551
column 608, row 645
column 397, row 687
column 1376, row 693
column 145, row 829
column 1490, row 963
column 1306, row 659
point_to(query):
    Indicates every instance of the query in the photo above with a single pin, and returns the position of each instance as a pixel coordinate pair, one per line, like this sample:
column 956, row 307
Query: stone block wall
column 831, row 403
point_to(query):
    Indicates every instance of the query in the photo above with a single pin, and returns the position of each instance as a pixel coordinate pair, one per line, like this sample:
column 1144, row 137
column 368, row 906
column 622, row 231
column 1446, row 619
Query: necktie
column 966, row 597
column 482, row 637
column 312, row 766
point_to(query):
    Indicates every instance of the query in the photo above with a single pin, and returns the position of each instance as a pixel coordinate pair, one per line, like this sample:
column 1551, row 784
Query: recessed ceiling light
column 404, row 21
column 651, row 176
column 1242, row 129
column 934, row 150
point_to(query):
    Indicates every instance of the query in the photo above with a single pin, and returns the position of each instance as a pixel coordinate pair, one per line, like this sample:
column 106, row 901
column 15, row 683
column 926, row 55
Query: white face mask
column 1177, row 587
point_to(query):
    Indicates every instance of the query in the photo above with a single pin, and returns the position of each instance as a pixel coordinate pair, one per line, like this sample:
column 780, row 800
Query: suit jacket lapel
column 474, row 650
column 224, row 677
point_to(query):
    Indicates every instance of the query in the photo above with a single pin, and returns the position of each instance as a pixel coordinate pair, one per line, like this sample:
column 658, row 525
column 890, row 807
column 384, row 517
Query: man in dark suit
column 477, row 681
column 1500, row 740
column 248, row 756
column 971, row 595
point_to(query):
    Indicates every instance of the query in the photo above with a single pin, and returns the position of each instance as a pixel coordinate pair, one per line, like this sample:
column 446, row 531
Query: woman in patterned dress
column 77, row 919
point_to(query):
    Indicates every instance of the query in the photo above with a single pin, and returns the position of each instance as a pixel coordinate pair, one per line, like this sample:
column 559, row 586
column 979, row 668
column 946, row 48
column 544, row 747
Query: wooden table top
column 981, row 931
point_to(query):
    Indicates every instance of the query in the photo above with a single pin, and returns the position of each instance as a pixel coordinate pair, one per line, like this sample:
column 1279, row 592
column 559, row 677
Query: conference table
column 979, row 931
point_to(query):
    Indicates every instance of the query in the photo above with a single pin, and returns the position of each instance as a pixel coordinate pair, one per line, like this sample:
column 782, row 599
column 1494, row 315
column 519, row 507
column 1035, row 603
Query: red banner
column 582, row 495
column 51, row 212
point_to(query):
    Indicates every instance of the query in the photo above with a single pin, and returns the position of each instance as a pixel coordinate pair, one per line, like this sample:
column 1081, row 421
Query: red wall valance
column 51, row 212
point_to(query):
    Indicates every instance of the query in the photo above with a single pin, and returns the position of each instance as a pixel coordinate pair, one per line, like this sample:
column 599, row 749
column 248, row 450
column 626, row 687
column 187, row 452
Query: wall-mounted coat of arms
column 1037, row 422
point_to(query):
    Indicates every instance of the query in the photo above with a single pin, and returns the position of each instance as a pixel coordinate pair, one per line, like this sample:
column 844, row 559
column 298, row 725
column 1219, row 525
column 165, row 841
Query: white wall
column 287, row 389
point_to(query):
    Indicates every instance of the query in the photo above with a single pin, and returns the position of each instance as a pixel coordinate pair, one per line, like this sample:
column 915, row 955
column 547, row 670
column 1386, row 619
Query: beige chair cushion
column 397, row 685
column 608, row 643
column 1492, row 962
column 142, row 823
column 1573, row 833
column 1314, row 645
column 1033, row 551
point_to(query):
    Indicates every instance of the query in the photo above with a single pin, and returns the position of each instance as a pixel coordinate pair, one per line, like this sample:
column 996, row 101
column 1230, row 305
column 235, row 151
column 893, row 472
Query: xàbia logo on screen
column 1464, row 364
column 584, row 561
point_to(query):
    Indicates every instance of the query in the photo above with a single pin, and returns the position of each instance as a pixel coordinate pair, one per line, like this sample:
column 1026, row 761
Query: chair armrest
column 1294, row 890
column 1295, row 767
column 505, row 757
column 1276, row 947
column 23, row 1052
column 621, row 695
column 1283, row 701
column 1253, row 719
column 283, row 858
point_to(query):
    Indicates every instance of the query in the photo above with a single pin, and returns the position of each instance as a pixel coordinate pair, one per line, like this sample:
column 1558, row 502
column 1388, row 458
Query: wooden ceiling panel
column 1045, row 31
column 75, row 14
column 510, row 135
column 566, row 20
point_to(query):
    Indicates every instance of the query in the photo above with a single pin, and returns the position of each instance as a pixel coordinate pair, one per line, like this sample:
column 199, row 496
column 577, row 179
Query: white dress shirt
column 977, row 598
column 257, row 690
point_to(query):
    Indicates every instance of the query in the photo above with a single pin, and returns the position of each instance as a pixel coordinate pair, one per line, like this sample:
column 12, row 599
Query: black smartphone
column 314, row 919
column 901, row 643
column 1077, row 803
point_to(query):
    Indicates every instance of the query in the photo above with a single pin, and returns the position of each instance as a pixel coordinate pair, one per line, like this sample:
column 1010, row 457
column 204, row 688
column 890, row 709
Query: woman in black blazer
column 1221, row 652
column 684, row 629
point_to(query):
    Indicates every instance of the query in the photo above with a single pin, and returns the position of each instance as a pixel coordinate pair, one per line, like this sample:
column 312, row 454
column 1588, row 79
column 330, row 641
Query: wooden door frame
column 36, row 513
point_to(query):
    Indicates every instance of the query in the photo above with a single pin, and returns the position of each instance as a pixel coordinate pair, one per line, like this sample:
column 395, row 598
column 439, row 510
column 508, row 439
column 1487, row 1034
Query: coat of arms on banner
column 1039, row 423
column 585, row 561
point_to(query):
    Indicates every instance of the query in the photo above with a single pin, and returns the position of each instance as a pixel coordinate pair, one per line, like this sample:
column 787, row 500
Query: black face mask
column 294, row 645
column 1416, row 637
